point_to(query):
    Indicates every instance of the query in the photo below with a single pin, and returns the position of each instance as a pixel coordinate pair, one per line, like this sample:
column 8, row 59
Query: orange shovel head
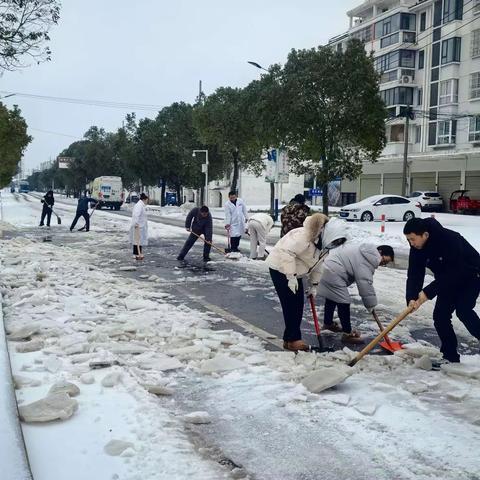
column 391, row 346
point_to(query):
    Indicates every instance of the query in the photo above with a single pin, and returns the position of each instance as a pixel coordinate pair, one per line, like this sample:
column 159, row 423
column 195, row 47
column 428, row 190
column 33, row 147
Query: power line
column 55, row 133
column 80, row 101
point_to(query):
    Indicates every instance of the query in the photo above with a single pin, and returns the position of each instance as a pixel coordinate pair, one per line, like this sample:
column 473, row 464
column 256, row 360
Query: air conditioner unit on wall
column 406, row 79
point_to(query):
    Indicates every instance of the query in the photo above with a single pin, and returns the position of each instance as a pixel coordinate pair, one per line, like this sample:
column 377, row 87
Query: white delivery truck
column 108, row 192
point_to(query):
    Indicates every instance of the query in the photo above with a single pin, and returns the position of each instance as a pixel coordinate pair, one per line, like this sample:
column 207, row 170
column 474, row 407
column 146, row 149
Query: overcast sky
column 154, row 52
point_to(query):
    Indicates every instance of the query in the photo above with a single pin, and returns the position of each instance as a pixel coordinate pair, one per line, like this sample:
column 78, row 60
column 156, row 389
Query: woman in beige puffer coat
column 297, row 255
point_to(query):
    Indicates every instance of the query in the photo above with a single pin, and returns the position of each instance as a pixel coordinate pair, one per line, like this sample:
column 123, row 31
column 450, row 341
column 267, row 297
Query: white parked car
column 394, row 207
column 428, row 200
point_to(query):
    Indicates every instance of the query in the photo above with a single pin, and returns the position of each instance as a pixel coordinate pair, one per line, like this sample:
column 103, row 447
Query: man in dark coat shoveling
column 198, row 222
column 455, row 264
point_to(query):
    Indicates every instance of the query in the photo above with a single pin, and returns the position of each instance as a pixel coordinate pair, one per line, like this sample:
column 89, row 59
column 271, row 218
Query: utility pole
column 408, row 114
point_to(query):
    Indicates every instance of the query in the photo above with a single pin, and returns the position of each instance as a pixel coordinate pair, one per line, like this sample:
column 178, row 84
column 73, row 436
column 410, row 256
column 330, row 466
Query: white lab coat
column 139, row 217
column 236, row 216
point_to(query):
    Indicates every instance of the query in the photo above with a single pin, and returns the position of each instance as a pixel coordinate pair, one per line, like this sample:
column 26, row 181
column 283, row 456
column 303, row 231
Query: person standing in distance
column 48, row 201
column 82, row 211
column 294, row 214
column 455, row 265
column 139, row 227
column 235, row 218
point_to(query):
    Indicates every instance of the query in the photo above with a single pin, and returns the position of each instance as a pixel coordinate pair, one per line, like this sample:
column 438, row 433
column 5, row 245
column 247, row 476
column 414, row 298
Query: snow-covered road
column 77, row 305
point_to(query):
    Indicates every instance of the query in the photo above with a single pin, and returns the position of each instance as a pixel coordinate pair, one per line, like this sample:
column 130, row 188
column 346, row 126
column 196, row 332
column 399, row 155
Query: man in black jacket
column 82, row 211
column 48, row 202
column 198, row 222
column 455, row 265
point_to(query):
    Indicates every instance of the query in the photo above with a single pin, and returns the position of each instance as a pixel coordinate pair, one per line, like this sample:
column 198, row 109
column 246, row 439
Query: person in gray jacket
column 345, row 265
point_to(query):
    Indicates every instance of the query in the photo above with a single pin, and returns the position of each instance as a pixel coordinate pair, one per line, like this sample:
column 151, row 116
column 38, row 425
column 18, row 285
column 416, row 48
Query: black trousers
column 46, row 212
column 234, row 243
column 137, row 251
column 343, row 314
column 292, row 305
column 462, row 302
column 86, row 216
column 191, row 241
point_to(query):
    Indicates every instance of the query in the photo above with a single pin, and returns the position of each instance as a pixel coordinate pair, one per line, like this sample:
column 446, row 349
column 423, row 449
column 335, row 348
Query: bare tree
column 24, row 26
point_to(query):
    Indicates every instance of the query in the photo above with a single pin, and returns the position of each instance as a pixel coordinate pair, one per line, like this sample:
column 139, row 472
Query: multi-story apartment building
column 428, row 55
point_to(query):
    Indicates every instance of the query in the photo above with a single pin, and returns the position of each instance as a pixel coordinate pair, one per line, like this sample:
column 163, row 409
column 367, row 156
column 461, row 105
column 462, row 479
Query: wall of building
column 440, row 161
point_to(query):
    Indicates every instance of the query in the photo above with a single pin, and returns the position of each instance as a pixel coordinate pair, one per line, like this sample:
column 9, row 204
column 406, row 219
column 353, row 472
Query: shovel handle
column 381, row 335
column 314, row 315
column 208, row 243
column 380, row 326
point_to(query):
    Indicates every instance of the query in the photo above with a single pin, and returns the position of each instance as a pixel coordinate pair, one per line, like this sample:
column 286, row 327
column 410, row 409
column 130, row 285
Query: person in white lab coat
column 235, row 218
column 139, row 227
column 258, row 227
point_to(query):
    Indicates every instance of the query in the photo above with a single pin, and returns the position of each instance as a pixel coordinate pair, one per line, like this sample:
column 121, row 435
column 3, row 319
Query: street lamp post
column 257, row 65
column 273, row 185
column 204, row 170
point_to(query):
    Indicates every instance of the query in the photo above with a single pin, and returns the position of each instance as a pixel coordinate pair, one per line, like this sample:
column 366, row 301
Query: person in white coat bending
column 297, row 255
column 235, row 218
column 139, row 227
column 258, row 226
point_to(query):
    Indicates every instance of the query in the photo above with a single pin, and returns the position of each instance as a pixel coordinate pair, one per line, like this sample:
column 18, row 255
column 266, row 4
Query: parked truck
column 108, row 192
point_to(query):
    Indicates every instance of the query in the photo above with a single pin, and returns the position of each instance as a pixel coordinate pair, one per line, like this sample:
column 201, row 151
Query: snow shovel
column 59, row 220
column 209, row 243
column 328, row 377
column 381, row 335
column 387, row 344
column 321, row 347
column 90, row 216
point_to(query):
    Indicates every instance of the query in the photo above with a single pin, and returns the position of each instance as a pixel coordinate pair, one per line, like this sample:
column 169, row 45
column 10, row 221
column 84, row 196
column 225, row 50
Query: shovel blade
column 391, row 346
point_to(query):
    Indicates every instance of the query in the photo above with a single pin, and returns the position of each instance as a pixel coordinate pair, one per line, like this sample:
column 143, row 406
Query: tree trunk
column 325, row 198
column 272, row 199
column 235, row 171
column 162, row 199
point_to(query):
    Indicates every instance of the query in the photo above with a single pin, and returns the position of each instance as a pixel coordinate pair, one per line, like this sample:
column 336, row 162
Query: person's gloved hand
column 293, row 283
column 312, row 290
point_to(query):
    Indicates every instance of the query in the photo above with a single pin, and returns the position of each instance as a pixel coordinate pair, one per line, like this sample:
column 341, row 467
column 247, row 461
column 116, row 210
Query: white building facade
column 428, row 55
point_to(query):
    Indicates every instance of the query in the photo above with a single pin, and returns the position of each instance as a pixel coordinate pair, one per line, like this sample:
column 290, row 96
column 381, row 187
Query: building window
column 474, row 129
column 418, row 134
column 475, row 85
column 452, row 10
column 396, row 133
column 475, row 44
column 394, row 23
column 423, row 21
column 421, row 59
column 389, row 76
column 451, row 50
column 390, row 40
column 448, row 91
column 397, row 96
column 409, row 37
column 476, row 7
column 446, row 132
column 398, row 58
column 420, row 96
